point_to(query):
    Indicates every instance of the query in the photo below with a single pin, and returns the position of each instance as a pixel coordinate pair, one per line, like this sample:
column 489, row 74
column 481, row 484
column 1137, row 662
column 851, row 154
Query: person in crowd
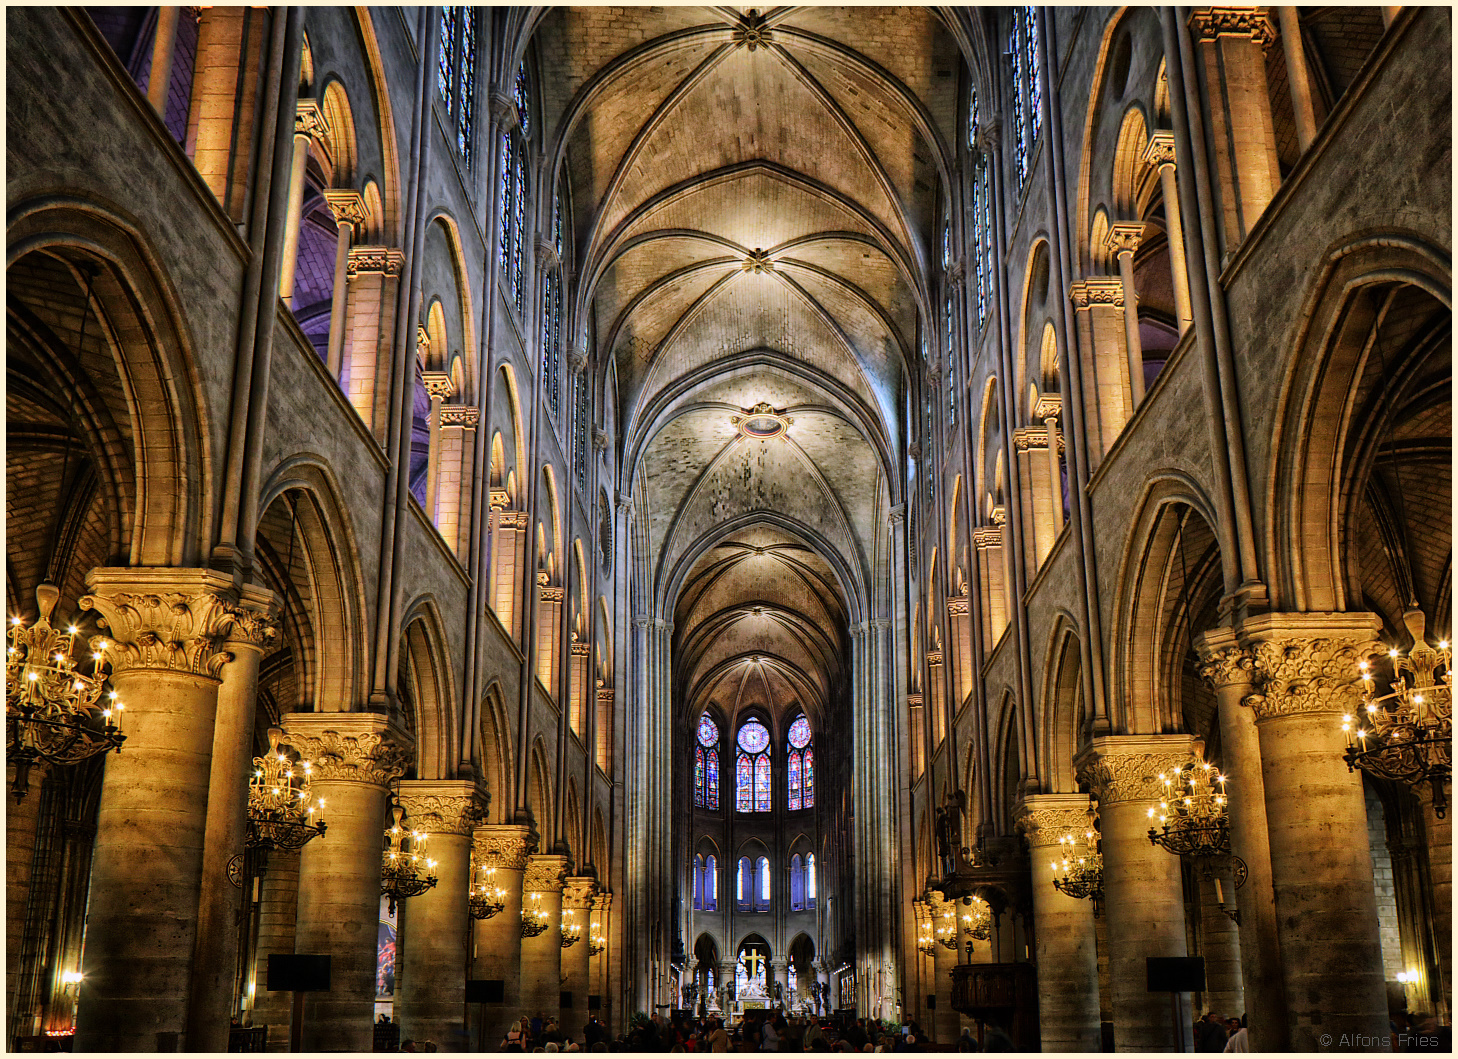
column 1210, row 1033
column 1239, row 1039
column 718, row 1039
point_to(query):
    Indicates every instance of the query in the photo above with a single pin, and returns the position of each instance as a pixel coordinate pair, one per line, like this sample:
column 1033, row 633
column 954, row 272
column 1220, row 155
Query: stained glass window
column 744, row 886
column 455, row 74
column 706, row 764
column 752, row 769
column 951, row 365
column 797, row 884
column 743, row 784
column 552, row 340
column 698, row 882
column 753, row 737
column 711, row 784
column 518, row 226
column 711, row 884
column 762, row 890
column 1020, row 127
column 445, row 71
column 700, row 768
column 1032, row 61
column 798, row 778
column 762, row 784
column 809, row 880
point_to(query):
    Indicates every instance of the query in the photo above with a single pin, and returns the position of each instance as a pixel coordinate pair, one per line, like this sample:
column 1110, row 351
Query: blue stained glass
column 799, row 732
column 699, row 777
column 794, row 780
column 1035, row 91
column 712, row 782
column 711, row 885
column 518, row 228
column 708, row 731
column 762, row 803
column 807, row 777
column 446, row 57
column 503, row 202
column 744, row 784
column 523, row 108
column 466, row 90
column 1020, row 130
column 753, row 737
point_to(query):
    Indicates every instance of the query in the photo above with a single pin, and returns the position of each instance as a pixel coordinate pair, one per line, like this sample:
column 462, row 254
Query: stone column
column 780, row 972
column 308, row 122
column 1439, row 836
column 373, row 280
column 215, row 962
column 822, row 975
column 541, row 956
column 1220, row 944
column 165, row 644
column 430, row 986
column 355, row 757
column 1298, row 80
column 959, row 626
column 1321, row 867
column 1229, row 669
column 497, row 949
column 581, row 653
column 1098, row 304
column 1161, row 154
column 549, row 618
column 278, row 907
column 1048, row 409
column 348, row 209
column 508, row 552
column 946, row 1023
column 577, row 899
column 598, row 967
column 1122, row 242
column 1144, row 901
column 439, row 386
column 1067, row 955
column 458, row 424
column 726, row 983
column 21, row 819
column 163, row 44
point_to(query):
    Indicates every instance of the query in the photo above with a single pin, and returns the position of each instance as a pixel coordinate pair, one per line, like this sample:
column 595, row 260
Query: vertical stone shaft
column 215, row 961
column 430, row 1000
column 1161, row 153
column 295, row 216
column 1321, row 867
column 278, row 907
column 1220, row 945
column 165, row 646
column 504, row 847
column 1439, row 835
column 348, row 209
column 1067, row 954
column 1123, row 241
column 1143, row 894
column 1298, row 80
column 541, row 956
column 577, row 899
column 163, row 43
column 339, row 874
column 1229, row 670
column 945, row 1023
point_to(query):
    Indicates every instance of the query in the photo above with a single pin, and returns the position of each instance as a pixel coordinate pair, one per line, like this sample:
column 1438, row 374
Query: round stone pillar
column 430, row 988
column 278, row 905
column 1220, row 945
column 780, row 970
column 945, row 1021
column 822, row 975
column 215, row 964
column 1439, row 836
column 1067, row 954
column 1229, row 669
column 165, row 644
column 497, row 946
column 355, row 757
column 577, row 895
column 541, row 956
column 726, row 988
column 21, row 819
column 1321, row 868
column 1143, row 894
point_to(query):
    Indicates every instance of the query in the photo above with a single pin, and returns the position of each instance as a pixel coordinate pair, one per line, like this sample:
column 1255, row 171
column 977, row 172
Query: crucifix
column 753, row 963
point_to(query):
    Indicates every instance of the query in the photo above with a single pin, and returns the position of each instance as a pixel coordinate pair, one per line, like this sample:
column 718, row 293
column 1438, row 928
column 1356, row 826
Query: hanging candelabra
column 404, row 860
column 926, row 943
column 1079, row 871
column 1406, row 734
column 596, row 943
column 976, row 921
column 946, row 929
column 487, row 898
column 533, row 919
column 281, row 806
column 53, row 713
column 571, row 930
column 1192, row 818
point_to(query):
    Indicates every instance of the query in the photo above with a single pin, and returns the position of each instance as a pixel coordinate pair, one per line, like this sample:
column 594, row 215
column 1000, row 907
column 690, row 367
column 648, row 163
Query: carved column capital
column 576, row 358
column 1224, row 662
column 438, row 384
column 1097, row 290
column 451, row 807
column 578, row 892
column 1046, row 818
column 309, row 120
column 600, row 439
column 346, row 204
column 547, row 255
column 167, row 619
column 545, row 873
column 1161, row 148
column 374, row 260
column 602, row 901
column 1308, row 663
column 461, row 415
column 1123, row 237
column 503, row 846
column 502, row 109
column 350, row 747
column 1253, row 23
column 1126, row 768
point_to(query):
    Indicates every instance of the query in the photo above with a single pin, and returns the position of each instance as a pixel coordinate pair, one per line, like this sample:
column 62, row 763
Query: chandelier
column 1406, row 735
column 533, row 919
column 403, row 860
column 1082, row 867
column 487, row 898
column 925, row 942
column 596, row 943
column 1192, row 817
column 571, row 931
column 52, row 712
column 946, row 930
column 976, row 921
column 280, row 803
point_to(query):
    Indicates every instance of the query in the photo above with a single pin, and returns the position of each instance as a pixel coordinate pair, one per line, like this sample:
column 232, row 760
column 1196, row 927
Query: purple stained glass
column 762, row 803
column 712, row 783
column 799, row 733
column 807, row 777
column 744, row 784
column 753, row 737
column 699, row 777
column 794, row 780
column 708, row 731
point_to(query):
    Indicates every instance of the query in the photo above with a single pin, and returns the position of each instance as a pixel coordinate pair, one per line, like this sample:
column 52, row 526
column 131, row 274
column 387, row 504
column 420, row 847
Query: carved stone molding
column 1308, row 663
column 166, row 619
column 502, row 110
column 1124, row 237
column 310, row 121
column 985, row 537
column 752, row 31
column 1097, row 290
column 957, row 606
column 1253, row 23
column 451, row 807
column 545, row 873
column 1046, row 818
column 461, row 415
column 547, row 255
column 1027, row 438
column 346, row 204
column 914, row 700
column 350, row 747
column 374, row 260
column 1223, row 662
column 1126, row 768
column 1160, row 150
column 602, row 901
column 576, row 359
column 578, row 892
column 1049, row 406
column 438, row 384
column 600, row 439
column 503, row 846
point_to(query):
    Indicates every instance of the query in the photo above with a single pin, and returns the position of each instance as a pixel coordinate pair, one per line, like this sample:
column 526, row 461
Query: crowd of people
column 771, row 1031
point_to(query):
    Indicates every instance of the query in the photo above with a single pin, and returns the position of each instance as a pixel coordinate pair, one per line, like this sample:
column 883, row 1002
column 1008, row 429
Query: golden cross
column 753, row 963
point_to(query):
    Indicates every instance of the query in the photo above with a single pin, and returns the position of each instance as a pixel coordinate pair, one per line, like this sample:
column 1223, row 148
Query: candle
column 1219, row 893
